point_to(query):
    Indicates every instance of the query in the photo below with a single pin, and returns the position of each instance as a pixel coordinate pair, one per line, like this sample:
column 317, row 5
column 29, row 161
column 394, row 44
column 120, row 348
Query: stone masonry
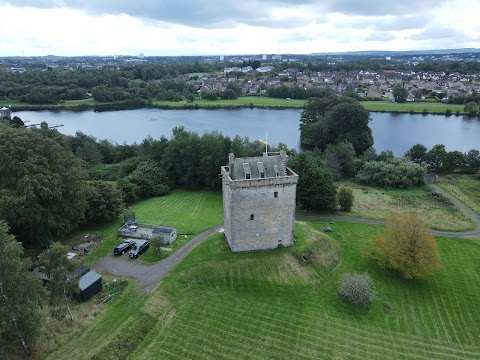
column 258, row 202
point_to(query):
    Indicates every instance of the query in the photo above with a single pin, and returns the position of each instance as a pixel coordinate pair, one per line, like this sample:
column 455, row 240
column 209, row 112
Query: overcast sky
column 214, row 27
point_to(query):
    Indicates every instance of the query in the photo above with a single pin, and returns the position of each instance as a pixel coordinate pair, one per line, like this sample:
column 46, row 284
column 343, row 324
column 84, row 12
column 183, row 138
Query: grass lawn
column 465, row 188
column 438, row 212
column 221, row 305
column 415, row 106
column 191, row 212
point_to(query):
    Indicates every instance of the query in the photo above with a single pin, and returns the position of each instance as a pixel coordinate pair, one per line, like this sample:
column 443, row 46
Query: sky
column 229, row 27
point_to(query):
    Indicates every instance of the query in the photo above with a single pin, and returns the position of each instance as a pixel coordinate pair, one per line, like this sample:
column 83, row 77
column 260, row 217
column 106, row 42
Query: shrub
column 401, row 174
column 448, row 112
column 357, row 289
column 345, row 198
column 156, row 243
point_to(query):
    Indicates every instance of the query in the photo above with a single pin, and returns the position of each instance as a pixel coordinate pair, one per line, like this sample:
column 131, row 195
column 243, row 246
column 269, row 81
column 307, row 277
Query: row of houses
column 374, row 84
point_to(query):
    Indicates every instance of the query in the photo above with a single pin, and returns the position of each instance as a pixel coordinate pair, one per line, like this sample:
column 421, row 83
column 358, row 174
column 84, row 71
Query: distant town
column 442, row 75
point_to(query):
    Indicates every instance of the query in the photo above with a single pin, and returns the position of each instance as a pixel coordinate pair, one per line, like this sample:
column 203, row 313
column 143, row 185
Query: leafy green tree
column 418, row 95
column 436, row 157
column 151, row 179
column 417, row 154
column 345, row 198
column 335, row 119
column 400, row 94
column 104, row 202
column 349, row 122
column 472, row 161
column 57, row 267
column 454, row 160
column 229, row 94
column 315, row 189
column 471, row 108
column 41, row 190
column 340, row 159
column 407, row 246
column 130, row 191
column 21, row 293
column 235, row 87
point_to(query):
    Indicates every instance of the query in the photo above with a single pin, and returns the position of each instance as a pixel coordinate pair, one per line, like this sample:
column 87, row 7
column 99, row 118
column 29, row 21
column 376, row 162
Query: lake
column 397, row 132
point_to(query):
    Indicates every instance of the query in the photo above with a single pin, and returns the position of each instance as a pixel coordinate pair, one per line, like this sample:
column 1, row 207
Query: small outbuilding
column 90, row 284
column 168, row 233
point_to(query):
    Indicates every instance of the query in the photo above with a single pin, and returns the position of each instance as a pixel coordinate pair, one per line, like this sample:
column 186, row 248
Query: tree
column 400, row 94
column 335, row 119
column 417, row 154
column 418, row 95
column 21, row 293
column 454, row 160
column 104, row 202
column 357, row 289
column 345, row 198
column 408, row 247
column 340, row 159
column 472, row 161
column 41, row 189
column 57, row 267
column 436, row 157
column 471, row 108
column 315, row 189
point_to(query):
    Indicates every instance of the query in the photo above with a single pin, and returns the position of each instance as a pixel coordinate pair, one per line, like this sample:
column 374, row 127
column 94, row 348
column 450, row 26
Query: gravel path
column 150, row 276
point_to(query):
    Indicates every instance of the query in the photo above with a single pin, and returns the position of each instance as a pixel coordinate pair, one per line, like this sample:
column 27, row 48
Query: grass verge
column 465, row 188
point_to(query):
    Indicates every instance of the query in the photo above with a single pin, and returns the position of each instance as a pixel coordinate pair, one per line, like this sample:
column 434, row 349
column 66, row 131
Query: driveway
column 150, row 276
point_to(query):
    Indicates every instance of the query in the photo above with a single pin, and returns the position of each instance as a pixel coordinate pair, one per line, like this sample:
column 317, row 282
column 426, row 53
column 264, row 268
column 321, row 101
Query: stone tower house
column 258, row 202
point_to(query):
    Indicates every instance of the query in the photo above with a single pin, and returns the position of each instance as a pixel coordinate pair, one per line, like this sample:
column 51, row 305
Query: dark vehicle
column 138, row 248
column 122, row 248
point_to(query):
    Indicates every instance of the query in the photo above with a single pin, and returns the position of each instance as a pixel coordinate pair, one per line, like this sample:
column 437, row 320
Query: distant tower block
column 5, row 112
column 222, row 57
column 258, row 202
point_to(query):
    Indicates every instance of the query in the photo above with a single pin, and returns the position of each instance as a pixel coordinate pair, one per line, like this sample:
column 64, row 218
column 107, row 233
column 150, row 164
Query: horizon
column 185, row 28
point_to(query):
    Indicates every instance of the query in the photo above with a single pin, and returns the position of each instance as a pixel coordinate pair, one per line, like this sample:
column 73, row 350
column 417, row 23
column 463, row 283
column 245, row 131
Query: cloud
column 435, row 33
column 380, row 36
column 213, row 14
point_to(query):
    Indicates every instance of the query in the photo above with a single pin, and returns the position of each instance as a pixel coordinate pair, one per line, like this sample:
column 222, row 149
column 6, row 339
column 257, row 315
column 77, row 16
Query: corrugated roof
column 88, row 279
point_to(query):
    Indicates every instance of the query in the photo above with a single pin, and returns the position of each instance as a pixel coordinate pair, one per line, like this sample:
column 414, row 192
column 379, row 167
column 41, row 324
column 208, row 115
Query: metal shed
column 90, row 284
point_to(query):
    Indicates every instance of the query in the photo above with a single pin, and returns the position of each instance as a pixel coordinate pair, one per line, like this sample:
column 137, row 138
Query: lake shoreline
column 195, row 106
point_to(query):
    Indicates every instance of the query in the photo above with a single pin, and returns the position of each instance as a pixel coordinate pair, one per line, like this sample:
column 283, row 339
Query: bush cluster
column 357, row 289
column 397, row 174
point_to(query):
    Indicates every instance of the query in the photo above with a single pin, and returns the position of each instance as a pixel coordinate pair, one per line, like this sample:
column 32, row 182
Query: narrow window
column 252, row 217
column 262, row 175
column 247, row 176
column 275, row 194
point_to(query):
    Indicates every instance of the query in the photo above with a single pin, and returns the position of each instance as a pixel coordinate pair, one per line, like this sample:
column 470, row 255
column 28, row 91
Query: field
column 438, row 212
column 181, row 209
column 464, row 187
column 418, row 107
column 220, row 305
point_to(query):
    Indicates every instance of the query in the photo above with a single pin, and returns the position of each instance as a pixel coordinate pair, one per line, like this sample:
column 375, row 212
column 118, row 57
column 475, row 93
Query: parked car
column 123, row 247
column 138, row 248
